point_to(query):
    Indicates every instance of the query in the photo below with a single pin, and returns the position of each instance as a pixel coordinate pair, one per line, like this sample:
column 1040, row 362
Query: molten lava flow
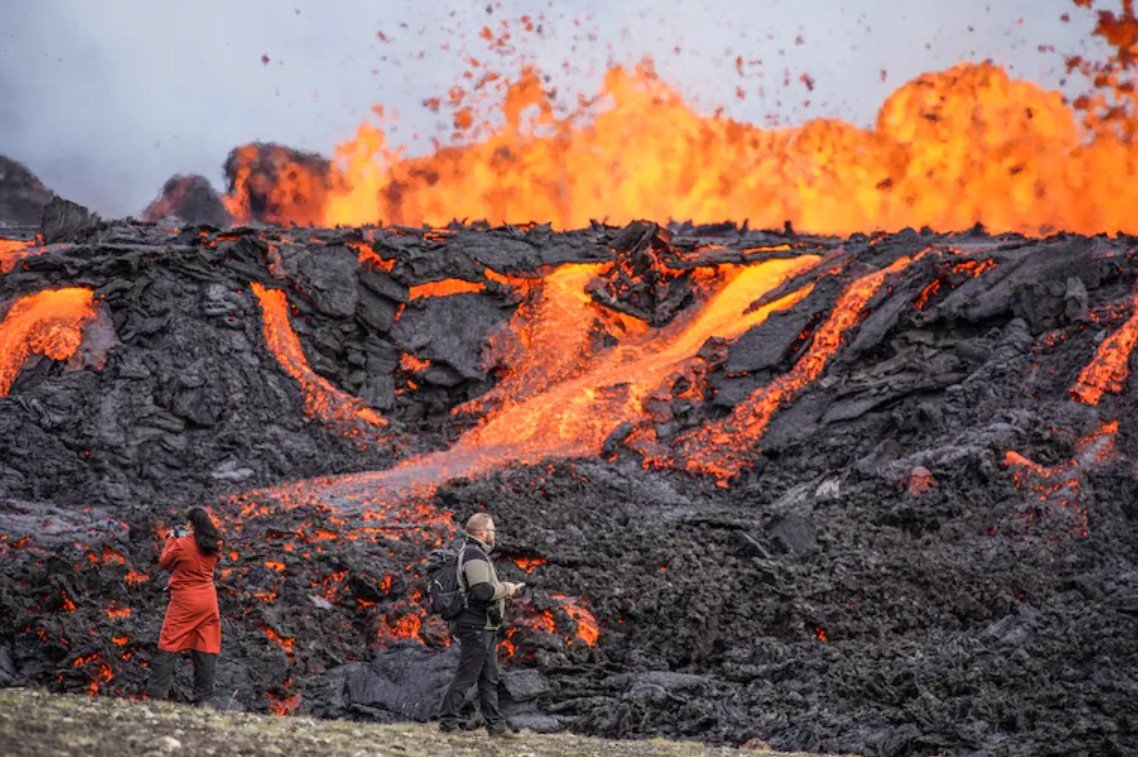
column 444, row 288
column 369, row 258
column 559, row 395
column 321, row 399
column 13, row 251
column 1108, row 370
column 969, row 268
column 46, row 323
column 948, row 150
column 723, row 448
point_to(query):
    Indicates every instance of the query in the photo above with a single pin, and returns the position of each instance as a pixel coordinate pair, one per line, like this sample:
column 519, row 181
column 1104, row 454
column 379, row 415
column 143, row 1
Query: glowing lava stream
column 1108, row 370
column 723, row 448
column 563, row 400
column 45, row 323
column 321, row 399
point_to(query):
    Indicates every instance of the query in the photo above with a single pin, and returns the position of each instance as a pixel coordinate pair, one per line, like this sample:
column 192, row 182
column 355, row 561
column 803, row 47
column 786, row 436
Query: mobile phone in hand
column 179, row 532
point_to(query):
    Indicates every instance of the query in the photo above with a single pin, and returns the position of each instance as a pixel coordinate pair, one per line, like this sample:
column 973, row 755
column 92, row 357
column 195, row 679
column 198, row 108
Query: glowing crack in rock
column 1108, row 370
column 344, row 412
column 723, row 448
column 1059, row 488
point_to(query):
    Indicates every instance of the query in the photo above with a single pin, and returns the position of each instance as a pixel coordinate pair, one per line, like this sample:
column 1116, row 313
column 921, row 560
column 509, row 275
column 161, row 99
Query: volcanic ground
column 872, row 494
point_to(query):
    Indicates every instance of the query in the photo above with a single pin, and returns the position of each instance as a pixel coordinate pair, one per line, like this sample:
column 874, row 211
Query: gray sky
column 106, row 100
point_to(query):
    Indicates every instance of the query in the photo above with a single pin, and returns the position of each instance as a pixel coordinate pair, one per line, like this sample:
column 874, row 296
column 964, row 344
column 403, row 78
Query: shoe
column 448, row 728
column 506, row 734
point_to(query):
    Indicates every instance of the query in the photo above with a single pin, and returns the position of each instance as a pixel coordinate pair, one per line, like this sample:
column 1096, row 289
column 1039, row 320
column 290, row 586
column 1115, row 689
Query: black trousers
column 162, row 675
column 478, row 662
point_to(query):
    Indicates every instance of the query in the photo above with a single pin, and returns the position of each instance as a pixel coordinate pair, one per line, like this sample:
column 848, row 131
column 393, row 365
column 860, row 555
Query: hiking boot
column 506, row 734
column 448, row 728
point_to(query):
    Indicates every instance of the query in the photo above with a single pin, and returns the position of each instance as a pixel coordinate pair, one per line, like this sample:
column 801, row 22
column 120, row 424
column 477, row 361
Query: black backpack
column 446, row 595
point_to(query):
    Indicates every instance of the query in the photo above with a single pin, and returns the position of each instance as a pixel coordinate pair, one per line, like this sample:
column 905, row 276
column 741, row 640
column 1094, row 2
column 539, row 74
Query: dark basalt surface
column 22, row 195
column 824, row 600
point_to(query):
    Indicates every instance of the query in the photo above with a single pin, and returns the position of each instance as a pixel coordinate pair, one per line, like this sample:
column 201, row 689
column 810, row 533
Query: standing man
column 477, row 629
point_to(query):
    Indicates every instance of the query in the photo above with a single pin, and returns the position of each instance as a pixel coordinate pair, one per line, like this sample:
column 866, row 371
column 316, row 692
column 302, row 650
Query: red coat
column 192, row 619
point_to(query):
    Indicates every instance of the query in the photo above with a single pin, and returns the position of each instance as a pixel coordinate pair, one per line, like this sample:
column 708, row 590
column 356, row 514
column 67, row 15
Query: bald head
column 481, row 527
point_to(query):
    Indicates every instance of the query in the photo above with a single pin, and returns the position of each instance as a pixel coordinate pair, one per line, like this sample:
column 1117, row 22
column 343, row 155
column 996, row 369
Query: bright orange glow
column 445, row 288
column 111, row 557
column 587, row 629
column 279, row 567
column 723, row 448
column 103, row 675
column 948, row 149
column 1110, row 367
column 369, row 258
column 406, row 627
column 558, row 395
column 285, row 705
column 321, row 399
column 528, row 564
column 12, row 251
column 1061, row 484
column 297, row 195
column 46, row 323
column 412, row 364
column 284, row 642
column 118, row 613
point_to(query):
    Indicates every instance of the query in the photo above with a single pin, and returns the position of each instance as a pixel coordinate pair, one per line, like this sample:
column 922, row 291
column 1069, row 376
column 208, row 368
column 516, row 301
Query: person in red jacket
column 192, row 618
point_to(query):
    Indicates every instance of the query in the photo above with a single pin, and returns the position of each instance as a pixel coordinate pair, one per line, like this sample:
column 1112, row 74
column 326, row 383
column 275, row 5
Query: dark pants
column 478, row 661
column 162, row 675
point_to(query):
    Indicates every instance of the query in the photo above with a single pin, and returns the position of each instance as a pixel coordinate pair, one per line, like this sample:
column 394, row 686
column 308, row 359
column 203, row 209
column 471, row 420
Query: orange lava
column 559, row 396
column 118, row 613
column 46, row 323
column 297, row 188
column 1108, row 370
column 282, row 706
column 723, row 448
column 103, row 675
column 445, row 288
column 369, row 258
column 321, row 399
column 12, row 251
column 528, row 564
column 587, row 629
column 412, row 364
column 1061, row 484
column 949, row 149
column 284, row 642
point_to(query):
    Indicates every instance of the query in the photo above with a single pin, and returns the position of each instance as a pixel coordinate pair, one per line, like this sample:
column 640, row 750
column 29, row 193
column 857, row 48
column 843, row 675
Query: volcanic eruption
column 787, row 470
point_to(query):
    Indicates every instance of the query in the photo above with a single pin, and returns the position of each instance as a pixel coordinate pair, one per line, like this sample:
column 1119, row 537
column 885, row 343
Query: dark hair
column 205, row 533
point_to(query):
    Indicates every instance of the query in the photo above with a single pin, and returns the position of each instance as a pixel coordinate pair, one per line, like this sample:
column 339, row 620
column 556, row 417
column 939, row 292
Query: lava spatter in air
column 1109, row 368
column 949, row 149
column 348, row 414
column 48, row 323
column 723, row 448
